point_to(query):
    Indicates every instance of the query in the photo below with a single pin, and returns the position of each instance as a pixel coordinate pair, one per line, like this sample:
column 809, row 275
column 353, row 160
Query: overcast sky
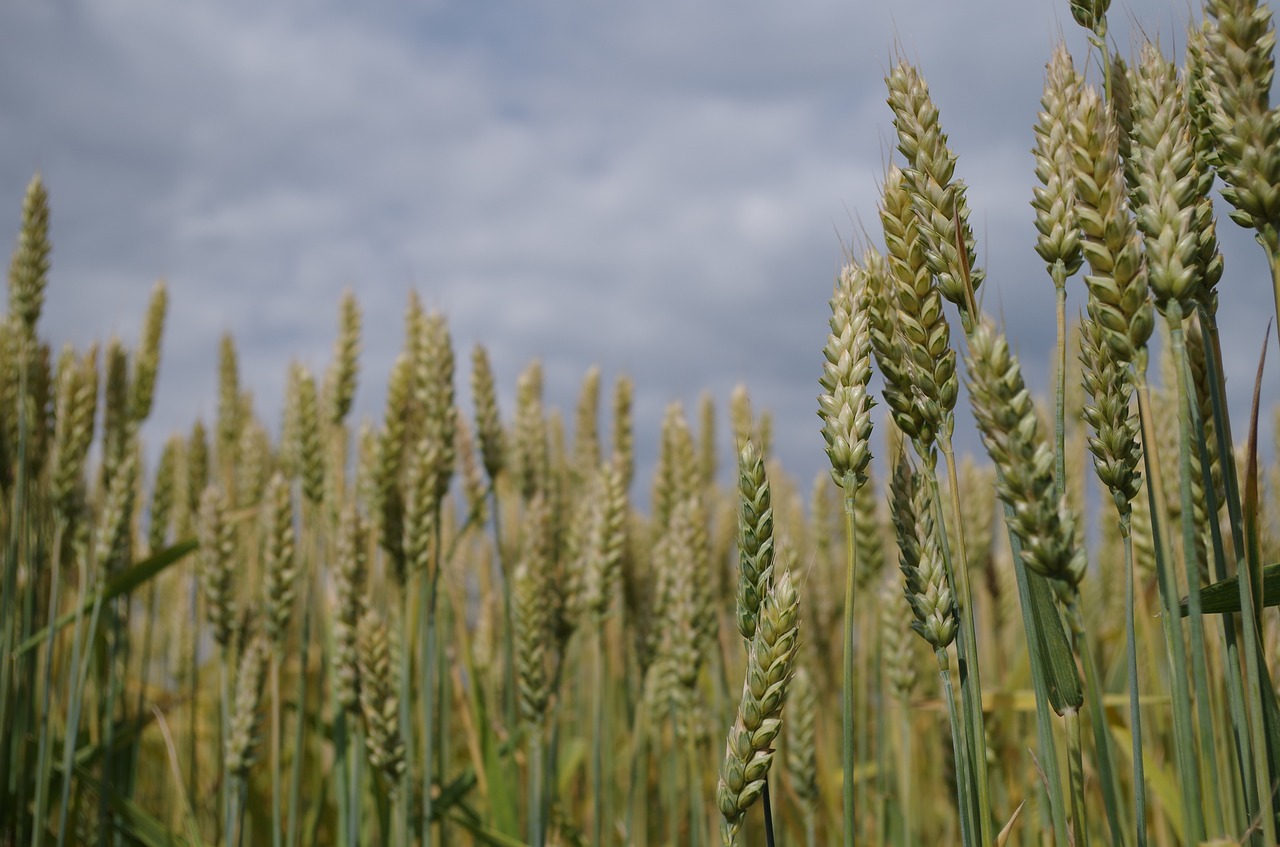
column 662, row 188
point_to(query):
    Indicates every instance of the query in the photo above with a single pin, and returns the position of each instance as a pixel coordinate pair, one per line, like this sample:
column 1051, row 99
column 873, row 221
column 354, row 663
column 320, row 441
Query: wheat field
column 477, row 626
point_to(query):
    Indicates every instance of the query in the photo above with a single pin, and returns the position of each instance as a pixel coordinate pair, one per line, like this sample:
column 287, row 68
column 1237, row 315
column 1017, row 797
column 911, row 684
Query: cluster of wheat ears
column 447, row 628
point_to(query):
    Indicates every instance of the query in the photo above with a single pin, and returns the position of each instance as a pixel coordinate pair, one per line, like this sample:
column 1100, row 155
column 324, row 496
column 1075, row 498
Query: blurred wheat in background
column 465, row 627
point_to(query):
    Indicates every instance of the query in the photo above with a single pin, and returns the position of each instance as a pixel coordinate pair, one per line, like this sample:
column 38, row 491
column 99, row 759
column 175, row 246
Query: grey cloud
column 663, row 188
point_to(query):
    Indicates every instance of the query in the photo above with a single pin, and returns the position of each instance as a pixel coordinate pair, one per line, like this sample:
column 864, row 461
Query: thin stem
column 847, row 752
column 957, row 745
column 905, row 772
column 1075, row 766
column 1231, row 669
column 43, row 773
column 535, row 785
column 1135, row 712
column 966, row 642
column 1199, row 667
column 500, row 576
column 1101, row 738
column 768, row 815
column 1175, row 650
column 276, row 778
column 1060, row 383
column 597, row 735
column 1259, row 786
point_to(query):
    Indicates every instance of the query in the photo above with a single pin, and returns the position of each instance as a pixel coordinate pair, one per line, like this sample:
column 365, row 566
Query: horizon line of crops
column 454, row 628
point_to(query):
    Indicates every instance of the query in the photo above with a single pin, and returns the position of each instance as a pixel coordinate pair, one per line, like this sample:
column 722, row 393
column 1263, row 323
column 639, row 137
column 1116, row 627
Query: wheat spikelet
column 1239, row 44
column 749, row 748
column 280, row 572
column 193, row 476
column 379, row 684
column 74, row 409
column 163, row 490
column 147, row 364
column 1010, row 430
column 488, row 421
column 1166, row 195
column 387, row 462
column 29, row 266
column 624, row 446
column 937, row 198
column 868, row 533
column 1114, row 445
column 605, row 541
column 708, row 464
column 1058, row 230
column 1118, row 300
column 306, row 446
column 340, row 380
column 920, row 559
column 802, row 753
column 755, row 537
column 350, row 565
column 242, row 737
column 845, row 404
column 229, row 420
column 112, row 544
column 255, row 463
column 532, row 459
column 899, row 663
column 434, row 381
column 116, row 426
column 586, row 427
column 1092, row 15
column 217, row 545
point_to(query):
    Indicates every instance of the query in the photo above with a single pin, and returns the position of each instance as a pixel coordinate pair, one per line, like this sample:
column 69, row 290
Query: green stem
column 848, row 758
column 967, row 642
column 1107, row 771
column 535, row 786
column 1135, row 712
column 597, row 735
column 1075, row 766
column 300, row 719
column 77, row 675
column 957, row 746
column 1175, row 650
column 1231, row 670
column 43, row 773
column 1199, row 667
column 1060, row 383
column 695, row 785
column 500, row 575
column 905, row 772
column 277, row 797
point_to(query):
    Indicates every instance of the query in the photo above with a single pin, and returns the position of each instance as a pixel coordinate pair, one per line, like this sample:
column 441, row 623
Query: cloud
column 663, row 188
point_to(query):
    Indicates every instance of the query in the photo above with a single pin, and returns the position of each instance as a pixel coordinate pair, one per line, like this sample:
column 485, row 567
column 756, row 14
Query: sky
column 664, row 189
